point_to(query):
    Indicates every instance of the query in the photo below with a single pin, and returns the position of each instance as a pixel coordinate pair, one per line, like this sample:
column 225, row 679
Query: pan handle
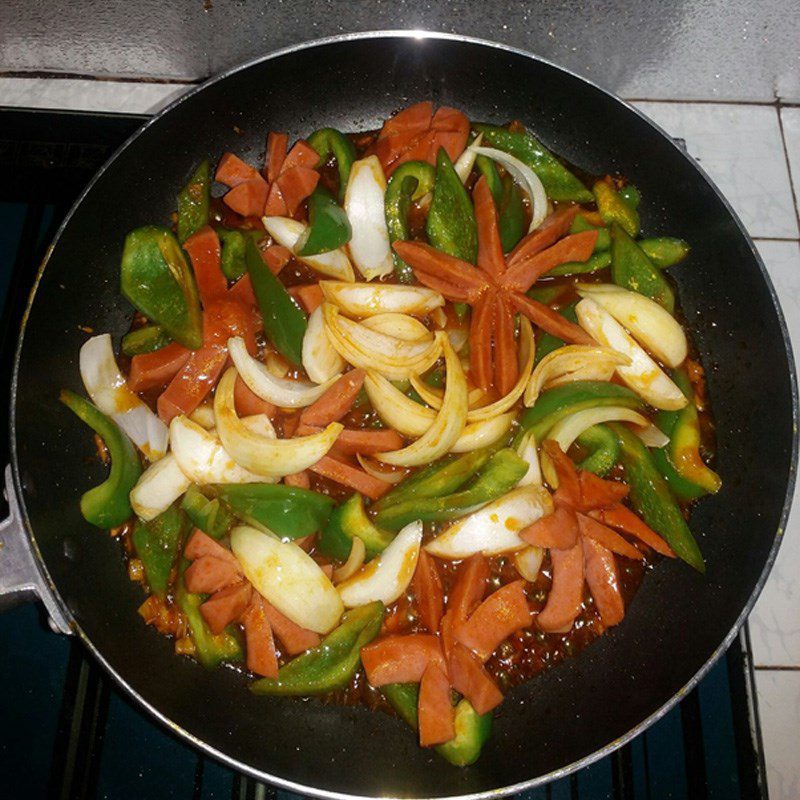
column 21, row 580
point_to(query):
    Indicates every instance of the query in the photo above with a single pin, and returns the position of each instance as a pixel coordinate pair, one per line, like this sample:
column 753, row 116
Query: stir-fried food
column 402, row 417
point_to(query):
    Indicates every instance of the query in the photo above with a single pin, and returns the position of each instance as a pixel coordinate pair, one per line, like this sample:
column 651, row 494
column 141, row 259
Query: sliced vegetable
column 400, row 326
column 483, row 433
column 211, row 516
column 328, row 226
column 349, row 521
column 321, row 361
column 529, row 562
column 288, row 578
column 613, row 208
column 602, row 447
column 194, row 202
column 466, row 161
column 145, row 340
column 158, row 543
column 632, row 269
column 158, row 487
column 594, row 263
column 330, row 142
column 108, row 504
column 528, row 452
column 665, row 251
column 158, row 281
column 367, row 300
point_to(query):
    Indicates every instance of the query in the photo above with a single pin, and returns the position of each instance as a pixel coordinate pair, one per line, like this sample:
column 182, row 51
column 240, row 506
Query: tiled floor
column 753, row 153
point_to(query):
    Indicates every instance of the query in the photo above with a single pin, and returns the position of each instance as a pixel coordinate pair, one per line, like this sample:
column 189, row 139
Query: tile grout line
column 773, row 668
column 789, row 168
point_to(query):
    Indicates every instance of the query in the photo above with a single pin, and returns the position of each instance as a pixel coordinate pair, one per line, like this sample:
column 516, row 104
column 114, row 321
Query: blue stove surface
column 69, row 733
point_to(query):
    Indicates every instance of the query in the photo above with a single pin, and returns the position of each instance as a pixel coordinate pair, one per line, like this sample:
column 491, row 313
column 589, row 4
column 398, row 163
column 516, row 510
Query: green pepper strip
column 145, row 340
column 548, row 294
column 284, row 323
column 451, row 225
column 547, row 343
column 327, row 141
column 579, row 225
column 472, row 729
column 194, row 202
column 652, row 500
column 613, row 208
column 107, row 505
column 287, row 511
column 158, row 280
column 602, row 447
column 631, row 195
column 508, row 199
column 234, row 245
column 443, row 477
column 665, row 251
column 333, row 663
column 561, row 401
column 211, row 650
column 348, row 521
column 633, row 270
column 594, row 263
column 680, row 462
column 409, row 182
column 500, row 475
column 211, row 516
column 558, row 181
column 158, row 543
column 328, row 227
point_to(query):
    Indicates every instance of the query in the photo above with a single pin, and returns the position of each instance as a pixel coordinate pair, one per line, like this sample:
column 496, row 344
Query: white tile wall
column 790, row 118
column 779, row 709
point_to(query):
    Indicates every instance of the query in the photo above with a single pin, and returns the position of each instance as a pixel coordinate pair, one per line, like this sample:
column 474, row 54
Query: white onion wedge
column 648, row 322
column 259, row 454
column 364, row 205
column 203, row 459
column 280, row 391
column 524, row 175
column 642, row 375
column 589, row 362
column 203, row 415
column 528, row 451
column 466, row 161
column 354, row 561
column 652, row 436
column 110, row 392
column 568, row 429
column 287, row 232
column 369, row 299
column 386, row 577
column 493, row 529
column 449, row 423
column 433, row 396
column 400, row 326
column 369, row 349
column 321, row 361
column 406, row 416
column 288, row 578
column 158, row 487
column 483, row 433
column 528, row 562
column 379, row 471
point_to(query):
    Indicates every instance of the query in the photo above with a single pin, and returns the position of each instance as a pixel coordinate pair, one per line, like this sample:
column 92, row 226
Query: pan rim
column 421, row 35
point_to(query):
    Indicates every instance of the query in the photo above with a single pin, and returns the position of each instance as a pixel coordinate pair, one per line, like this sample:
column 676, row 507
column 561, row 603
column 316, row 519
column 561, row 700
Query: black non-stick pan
column 679, row 621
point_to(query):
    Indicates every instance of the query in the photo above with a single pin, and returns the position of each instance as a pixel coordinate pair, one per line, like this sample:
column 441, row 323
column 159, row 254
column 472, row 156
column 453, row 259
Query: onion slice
column 524, row 175
column 110, row 392
column 268, row 457
column 388, row 575
column 400, row 326
column 354, row 561
column 203, row 415
column 433, row 397
column 158, row 487
column 450, row 420
column 365, row 208
column 483, row 433
column 528, row 451
column 466, row 161
column 380, row 472
column 321, row 361
column 493, row 529
column 650, row 324
column 570, row 363
column 642, row 375
column 528, row 562
column 368, row 299
column 288, row 578
column 396, row 410
column 288, row 232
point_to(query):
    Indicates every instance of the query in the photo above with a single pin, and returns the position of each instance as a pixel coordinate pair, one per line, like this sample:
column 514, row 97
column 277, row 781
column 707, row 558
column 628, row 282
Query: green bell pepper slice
column 580, row 224
column 158, row 281
column 350, row 520
column 632, row 269
column 211, row 516
column 332, row 664
column 594, row 263
column 631, row 195
column 409, row 182
column 145, row 340
column 472, row 729
column 561, row 401
column 547, row 343
column 234, row 246
column 652, row 499
column 508, row 200
column 500, row 475
column 451, row 224
column 548, row 294
column 328, row 228
column 108, row 504
column 680, row 462
column 284, row 322
column 329, row 141
column 288, row 511
column 665, row 251
column 194, row 202
column 158, row 543
column 211, row 650
column 559, row 183
column 602, row 449
column 614, row 209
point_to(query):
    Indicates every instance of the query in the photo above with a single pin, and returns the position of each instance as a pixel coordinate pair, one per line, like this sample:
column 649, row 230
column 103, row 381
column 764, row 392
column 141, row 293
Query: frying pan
column 678, row 623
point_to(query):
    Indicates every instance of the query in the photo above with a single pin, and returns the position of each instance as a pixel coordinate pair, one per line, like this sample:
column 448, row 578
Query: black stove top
column 69, row 733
